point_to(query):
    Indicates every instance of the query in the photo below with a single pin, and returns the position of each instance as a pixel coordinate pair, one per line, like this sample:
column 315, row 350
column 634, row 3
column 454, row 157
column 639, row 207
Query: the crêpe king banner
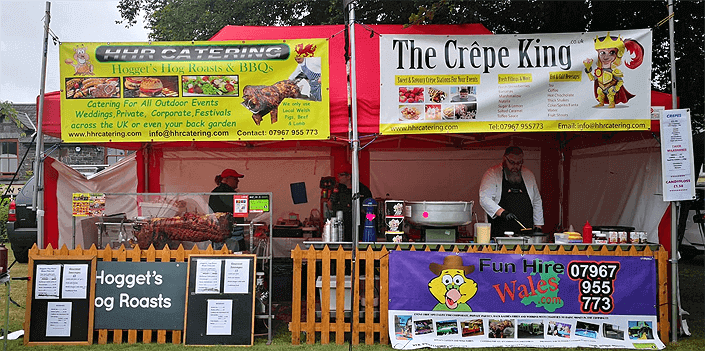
column 447, row 299
column 598, row 81
column 202, row 91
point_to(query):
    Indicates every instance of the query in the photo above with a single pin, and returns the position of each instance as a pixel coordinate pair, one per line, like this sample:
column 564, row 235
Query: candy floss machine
column 439, row 220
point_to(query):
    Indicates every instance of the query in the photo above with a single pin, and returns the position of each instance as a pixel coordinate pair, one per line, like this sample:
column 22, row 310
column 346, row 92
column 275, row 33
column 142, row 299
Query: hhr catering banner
column 597, row 81
column 202, row 91
column 445, row 299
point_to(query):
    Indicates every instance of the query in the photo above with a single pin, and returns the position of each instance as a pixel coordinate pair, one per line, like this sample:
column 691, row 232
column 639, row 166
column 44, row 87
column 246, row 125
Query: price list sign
column 677, row 167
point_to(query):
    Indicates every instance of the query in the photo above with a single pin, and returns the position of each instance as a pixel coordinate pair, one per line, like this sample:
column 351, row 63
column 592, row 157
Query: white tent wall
column 120, row 177
column 271, row 170
column 438, row 174
column 617, row 184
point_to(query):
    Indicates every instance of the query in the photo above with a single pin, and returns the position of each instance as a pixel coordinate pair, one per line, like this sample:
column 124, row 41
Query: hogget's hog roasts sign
column 184, row 91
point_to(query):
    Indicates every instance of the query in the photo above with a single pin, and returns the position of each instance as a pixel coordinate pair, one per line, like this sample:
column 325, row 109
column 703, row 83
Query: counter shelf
column 464, row 246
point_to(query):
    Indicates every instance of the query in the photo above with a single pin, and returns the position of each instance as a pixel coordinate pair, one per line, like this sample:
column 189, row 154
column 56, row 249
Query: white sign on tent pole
column 677, row 156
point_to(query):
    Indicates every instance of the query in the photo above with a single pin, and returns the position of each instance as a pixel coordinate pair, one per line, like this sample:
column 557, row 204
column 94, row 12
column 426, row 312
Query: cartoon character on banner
column 609, row 84
column 451, row 286
column 83, row 65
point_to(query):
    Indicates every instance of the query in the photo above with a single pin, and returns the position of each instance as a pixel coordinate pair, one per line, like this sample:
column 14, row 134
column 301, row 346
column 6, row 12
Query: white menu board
column 46, row 281
column 237, row 276
column 208, row 277
column 677, row 167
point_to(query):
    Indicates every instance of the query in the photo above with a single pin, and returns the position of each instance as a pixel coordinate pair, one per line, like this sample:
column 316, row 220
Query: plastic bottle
column 326, row 231
column 334, row 230
column 587, row 233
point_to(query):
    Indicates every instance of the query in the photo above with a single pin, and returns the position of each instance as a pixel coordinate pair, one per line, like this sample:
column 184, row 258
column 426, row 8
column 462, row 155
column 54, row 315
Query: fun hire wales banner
column 446, row 299
column 202, row 91
column 599, row 81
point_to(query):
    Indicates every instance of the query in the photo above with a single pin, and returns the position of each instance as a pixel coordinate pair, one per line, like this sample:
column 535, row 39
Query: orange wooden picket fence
column 130, row 255
column 312, row 317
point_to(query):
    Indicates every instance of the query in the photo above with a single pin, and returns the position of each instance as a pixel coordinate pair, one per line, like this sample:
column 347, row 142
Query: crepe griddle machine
column 438, row 220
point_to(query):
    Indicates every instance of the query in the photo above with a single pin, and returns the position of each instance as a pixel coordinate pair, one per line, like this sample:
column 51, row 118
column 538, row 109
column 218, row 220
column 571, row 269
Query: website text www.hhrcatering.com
column 107, row 134
column 165, row 134
column 425, row 128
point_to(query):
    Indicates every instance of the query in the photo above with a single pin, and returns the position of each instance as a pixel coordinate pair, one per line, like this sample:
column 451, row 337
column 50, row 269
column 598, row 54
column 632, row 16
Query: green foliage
column 184, row 20
column 505, row 17
column 4, row 205
column 8, row 111
column 172, row 20
column 425, row 14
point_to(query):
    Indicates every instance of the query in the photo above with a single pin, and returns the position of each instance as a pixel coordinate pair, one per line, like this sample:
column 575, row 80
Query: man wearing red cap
column 229, row 180
column 342, row 198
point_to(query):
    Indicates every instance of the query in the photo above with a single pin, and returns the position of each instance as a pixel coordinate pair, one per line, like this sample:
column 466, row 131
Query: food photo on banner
column 445, row 299
column 203, row 91
column 597, row 81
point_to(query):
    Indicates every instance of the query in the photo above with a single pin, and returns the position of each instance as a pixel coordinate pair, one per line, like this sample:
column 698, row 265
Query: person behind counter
column 342, row 198
column 229, row 180
column 509, row 195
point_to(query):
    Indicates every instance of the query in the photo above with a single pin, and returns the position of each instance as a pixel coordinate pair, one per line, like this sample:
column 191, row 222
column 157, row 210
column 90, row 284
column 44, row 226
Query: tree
column 8, row 111
column 172, row 20
column 504, row 17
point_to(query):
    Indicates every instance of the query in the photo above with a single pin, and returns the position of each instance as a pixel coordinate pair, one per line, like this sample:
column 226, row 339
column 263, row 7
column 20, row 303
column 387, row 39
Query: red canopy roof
column 367, row 73
column 367, row 67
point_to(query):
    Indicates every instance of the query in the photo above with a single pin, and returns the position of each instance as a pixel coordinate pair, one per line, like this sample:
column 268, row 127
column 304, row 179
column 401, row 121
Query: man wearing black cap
column 229, row 180
column 509, row 195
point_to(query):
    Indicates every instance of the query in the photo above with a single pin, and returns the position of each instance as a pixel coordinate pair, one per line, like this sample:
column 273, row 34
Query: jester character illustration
column 609, row 84
column 451, row 286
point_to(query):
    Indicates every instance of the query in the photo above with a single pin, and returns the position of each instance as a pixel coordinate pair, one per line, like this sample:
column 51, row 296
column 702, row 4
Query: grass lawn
column 691, row 274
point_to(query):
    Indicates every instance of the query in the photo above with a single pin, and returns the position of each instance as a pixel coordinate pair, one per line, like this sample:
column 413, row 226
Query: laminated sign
column 202, row 91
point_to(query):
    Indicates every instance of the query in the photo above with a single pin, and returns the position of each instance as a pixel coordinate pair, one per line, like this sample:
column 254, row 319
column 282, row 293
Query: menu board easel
column 60, row 300
column 220, row 300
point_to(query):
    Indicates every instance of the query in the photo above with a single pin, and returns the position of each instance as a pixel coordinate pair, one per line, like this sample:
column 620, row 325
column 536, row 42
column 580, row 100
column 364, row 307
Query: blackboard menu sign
column 220, row 300
column 60, row 300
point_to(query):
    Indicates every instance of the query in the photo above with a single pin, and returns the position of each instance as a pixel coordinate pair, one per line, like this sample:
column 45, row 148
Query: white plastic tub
column 333, row 294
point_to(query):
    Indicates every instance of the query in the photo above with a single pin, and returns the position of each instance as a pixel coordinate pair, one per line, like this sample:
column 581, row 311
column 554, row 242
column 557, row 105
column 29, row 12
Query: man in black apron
column 510, row 197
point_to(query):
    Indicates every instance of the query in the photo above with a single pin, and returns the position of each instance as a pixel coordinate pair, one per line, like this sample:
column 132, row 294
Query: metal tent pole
column 38, row 179
column 355, row 163
column 674, row 234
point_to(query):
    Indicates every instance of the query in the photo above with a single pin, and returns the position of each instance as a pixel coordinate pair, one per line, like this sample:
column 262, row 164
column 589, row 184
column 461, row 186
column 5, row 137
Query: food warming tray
column 438, row 213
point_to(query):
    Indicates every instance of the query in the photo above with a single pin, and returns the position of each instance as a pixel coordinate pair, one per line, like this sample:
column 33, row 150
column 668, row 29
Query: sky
column 22, row 35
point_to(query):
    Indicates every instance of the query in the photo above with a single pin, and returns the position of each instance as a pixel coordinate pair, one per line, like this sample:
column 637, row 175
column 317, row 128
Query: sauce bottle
column 587, row 233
